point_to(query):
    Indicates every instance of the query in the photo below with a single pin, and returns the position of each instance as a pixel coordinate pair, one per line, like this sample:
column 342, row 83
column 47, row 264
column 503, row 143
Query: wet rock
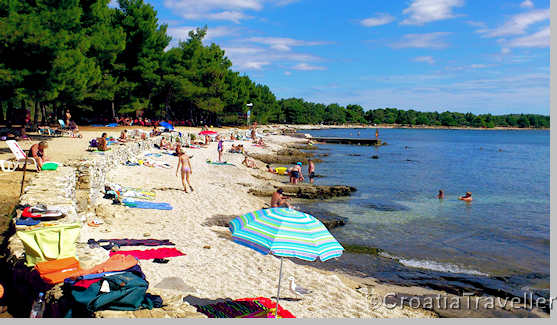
column 306, row 191
column 293, row 152
column 375, row 157
column 303, row 146
column 281, row 159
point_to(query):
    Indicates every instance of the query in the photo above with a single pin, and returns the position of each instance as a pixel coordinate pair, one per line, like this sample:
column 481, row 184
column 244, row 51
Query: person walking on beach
column 311, row 170
column 219, row 147
column 186, row 170
column 278, row 200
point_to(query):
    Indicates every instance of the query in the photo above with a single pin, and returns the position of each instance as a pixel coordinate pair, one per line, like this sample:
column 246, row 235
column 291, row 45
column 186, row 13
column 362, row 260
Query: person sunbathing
column 165, row 144
column 102, row 144
column 123, row 136
column 37, row 152
column 278, row 200
column 155, row 132
column 271, row 170
column 249, row 163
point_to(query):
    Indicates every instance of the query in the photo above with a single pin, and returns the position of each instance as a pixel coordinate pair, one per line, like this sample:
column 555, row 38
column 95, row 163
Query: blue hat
column 299, row 163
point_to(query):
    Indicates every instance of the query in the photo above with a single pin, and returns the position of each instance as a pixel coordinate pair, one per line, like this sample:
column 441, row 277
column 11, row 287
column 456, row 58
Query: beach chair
column 20, row 156
column 63, row 125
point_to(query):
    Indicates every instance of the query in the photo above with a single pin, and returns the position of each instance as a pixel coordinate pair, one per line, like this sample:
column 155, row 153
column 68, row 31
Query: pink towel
column 151, row 253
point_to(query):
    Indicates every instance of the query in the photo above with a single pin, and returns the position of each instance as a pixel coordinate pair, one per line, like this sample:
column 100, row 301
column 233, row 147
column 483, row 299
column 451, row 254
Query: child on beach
column 219, row 147
column 186, row 170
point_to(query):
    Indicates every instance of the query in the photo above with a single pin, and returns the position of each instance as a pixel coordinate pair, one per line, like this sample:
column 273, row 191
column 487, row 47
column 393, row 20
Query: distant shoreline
column 400, row 126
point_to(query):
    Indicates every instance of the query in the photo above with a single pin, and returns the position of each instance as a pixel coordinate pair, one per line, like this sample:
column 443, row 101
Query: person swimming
column 466, row 197
column 441, row 194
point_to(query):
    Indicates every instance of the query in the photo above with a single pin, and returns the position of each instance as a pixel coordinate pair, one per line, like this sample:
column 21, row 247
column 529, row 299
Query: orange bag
column 56, row 271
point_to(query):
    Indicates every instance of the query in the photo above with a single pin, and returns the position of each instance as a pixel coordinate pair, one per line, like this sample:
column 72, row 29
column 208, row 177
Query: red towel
column 268, row 303
column 151, row 253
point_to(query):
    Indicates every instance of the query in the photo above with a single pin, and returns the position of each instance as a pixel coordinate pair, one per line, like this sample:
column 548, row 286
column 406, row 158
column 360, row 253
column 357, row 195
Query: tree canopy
column 100, row 62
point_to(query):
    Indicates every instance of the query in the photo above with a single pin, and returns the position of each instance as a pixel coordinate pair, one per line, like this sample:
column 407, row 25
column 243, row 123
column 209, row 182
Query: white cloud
column 256, row 58
column 518, row 24
column 231, row 10
column 426, row 59
column 424, row 11
column 527, row 4
column 180, row 33
column 505, row 50
column 378, row 20
column 428, row 40
column 287, row 73
column 283, row 44
column 308, row 67
column 538, row 39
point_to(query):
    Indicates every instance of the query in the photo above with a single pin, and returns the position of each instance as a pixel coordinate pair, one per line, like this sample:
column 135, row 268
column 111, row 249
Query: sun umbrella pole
column 278, row 290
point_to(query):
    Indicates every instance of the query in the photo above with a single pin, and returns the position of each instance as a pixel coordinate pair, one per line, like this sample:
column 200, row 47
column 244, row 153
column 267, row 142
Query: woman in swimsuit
column 184, row 161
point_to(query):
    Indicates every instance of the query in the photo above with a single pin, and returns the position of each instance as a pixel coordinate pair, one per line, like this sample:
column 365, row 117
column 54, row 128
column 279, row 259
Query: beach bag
column 49, row 243
column 127, row 291
column 93, row 143
column 56, row 271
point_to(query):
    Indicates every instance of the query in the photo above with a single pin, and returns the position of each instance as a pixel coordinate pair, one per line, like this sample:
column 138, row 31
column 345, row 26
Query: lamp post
column 250, row 105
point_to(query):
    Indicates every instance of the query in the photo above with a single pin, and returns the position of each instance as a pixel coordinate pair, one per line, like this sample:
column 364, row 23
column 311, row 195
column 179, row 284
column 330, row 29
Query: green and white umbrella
column 285, row 233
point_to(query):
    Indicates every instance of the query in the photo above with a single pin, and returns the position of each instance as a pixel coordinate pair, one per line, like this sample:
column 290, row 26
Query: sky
column 458, row 55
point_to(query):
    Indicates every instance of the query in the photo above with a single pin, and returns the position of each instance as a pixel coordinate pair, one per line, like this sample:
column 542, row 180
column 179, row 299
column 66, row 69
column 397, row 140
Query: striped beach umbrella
column 285, row 233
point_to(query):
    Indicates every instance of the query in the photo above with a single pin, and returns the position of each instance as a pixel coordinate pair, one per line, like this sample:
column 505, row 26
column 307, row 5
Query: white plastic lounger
column 8, row 166
column 20, row 156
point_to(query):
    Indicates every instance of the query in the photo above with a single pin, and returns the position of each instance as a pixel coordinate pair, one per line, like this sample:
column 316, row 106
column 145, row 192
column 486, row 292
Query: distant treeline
column 297, row 111
column 103, row 62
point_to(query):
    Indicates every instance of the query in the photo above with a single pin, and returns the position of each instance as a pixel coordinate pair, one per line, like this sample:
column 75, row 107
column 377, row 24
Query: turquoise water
column 503, row 232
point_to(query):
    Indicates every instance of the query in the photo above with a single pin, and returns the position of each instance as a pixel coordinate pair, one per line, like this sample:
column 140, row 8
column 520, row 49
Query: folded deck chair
column 20, row 156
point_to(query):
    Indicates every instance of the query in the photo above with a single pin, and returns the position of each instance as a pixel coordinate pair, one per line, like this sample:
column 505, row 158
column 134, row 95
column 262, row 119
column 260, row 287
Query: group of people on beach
column 295, row 172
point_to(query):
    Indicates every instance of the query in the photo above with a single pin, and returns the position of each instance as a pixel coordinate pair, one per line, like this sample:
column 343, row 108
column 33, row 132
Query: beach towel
column 112, row 125
column 116, row 263
column 27, row 222
column 234, row 309
column 49, row 243
column 147, row 205
column 271, row 305
column 128, row 242
column 150, row 254
column 219, row 163
column 56, row 271
column 50, row 165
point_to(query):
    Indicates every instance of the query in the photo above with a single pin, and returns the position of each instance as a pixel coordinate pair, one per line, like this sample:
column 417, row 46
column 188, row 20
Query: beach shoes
column 27, row 222
column 95, row 223
column 27, row 213
column 161, row 260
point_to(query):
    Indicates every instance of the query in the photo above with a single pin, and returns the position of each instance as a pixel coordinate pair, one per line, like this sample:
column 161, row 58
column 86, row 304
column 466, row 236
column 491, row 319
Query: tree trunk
column 113, row 112
column 36, row 114
column 10, row 112
column 43, row 114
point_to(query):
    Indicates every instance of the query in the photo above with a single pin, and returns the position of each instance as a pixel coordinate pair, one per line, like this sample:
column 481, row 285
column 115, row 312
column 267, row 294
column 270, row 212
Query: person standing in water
column 311, row 170
column 376, row 134
column 186, row 171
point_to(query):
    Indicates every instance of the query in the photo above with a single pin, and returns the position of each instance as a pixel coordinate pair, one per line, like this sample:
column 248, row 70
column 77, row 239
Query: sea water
column 504, row 231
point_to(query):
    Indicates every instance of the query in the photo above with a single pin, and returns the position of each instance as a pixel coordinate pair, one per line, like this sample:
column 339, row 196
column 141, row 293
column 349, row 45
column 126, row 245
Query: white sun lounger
column 20, row 156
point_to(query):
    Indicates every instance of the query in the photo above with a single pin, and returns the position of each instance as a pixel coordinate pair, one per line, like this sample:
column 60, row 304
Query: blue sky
column 458, row 55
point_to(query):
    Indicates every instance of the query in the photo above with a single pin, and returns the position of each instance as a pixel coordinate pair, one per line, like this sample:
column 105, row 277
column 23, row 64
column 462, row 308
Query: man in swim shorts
column 278, row 200
column 311, row 170
column 296, row 173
